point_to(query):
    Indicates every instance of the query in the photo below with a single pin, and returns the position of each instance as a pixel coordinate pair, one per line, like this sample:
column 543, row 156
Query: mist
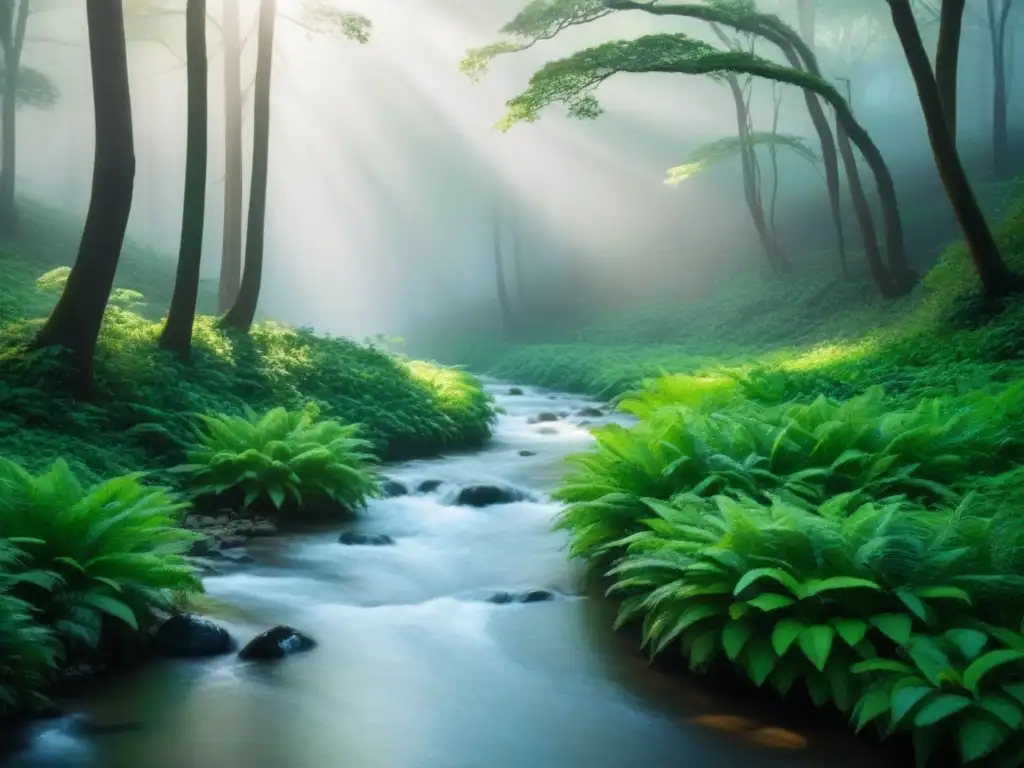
column 387, row 173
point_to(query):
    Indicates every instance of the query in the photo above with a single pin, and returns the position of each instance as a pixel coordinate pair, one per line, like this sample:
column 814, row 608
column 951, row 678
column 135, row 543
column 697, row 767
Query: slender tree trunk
column 231, row 250
column 177, row 333
column 241, row 315
column 996, row 279
column 997, row 24
column 504, row 305
column 806, row 18
column 947, row 59
column 12, row 37
column 747, row 164
column 75, row 322
column 517, row 264
column 773, row 152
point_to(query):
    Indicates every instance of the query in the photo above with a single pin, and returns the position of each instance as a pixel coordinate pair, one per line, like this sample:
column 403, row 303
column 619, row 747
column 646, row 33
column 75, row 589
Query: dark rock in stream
column 527, row 453
column 232, row 541
column 547, row 431
column 529, row 596
column 515, row 391
column 187, row 635
column 428, row 486
column 544, row 416
column 352, row 538
column 276, row 643
column 390, row 489
column 488, row 495
column 591, row 413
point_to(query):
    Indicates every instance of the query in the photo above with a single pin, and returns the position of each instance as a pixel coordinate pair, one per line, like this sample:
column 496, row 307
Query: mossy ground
column 142, row 415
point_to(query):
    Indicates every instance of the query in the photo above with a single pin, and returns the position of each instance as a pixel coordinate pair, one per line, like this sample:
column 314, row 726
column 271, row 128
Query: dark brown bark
column 997, row 25
column 241, row 315
column 13, row 24
column 231, row 248
column 75, row 322
column 177, row 333
column 776, row 260
column 996, row 279
column 947, row 58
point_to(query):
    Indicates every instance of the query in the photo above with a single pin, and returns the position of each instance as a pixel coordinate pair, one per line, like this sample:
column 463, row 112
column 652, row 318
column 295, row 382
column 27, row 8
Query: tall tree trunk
column 12, row 38
column 75, row 322
column 806, row 18
column 997, row 24
column 517, row 263
column 177, row 333
column 243, row 312
column 996, row 279
column 947, row 59
column 829, row 160
column 504, row 305
column 776, row 260
column 231, row 249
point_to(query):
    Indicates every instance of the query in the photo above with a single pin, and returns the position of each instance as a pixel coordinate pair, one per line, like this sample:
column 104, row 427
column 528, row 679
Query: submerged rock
column 428, row 486
column 389, row 489
column 192, row 636
column 276, row 643
column 547, row 431
column 232, row 541
column 544, row 416
column 528, row 596
column 352, row 538
column 488, row 495
column 590, row 412
column 527, row 453
column 515, row 391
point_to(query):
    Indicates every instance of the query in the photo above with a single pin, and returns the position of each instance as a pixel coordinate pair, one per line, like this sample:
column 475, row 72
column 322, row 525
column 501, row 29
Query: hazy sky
column 386, row 169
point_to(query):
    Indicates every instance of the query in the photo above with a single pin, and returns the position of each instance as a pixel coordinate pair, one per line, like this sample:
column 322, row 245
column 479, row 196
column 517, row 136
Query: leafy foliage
column 714, row 152
column 282, row 457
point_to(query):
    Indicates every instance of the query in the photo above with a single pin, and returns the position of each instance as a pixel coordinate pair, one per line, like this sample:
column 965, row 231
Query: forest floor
column 143, row 415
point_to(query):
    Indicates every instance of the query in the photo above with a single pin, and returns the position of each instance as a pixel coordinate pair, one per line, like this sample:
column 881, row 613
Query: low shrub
column 281, row 458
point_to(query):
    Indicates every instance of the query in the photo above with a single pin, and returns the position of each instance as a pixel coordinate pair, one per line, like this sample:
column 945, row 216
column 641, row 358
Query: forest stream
column 416, row 667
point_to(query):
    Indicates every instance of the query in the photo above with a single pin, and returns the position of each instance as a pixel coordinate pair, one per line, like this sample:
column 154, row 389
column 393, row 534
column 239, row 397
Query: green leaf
column 970, row 642
column 977, row 738
column 817, row 586
column 906, row 698
column 734, row 637
column 112, row 607
column 816, row 643
column 703, row 649
column 975, row 673
column 852, row 631
column 871, row 705
column 785, row 634
column 896, row 626
column 943, row 593
column 759, row 660
column 770, row 601
column 1016, row 690
column 916, row 606
column 881, row 665
column 1004, row 708
column 942, row 706
column 777, row 575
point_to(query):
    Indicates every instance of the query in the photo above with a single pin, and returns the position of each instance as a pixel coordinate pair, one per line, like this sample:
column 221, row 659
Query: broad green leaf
column 943, row 593
column 816, row 643
column 759, row 660
column 852, row 631
column 870, row 706
column 904, row 700
column 734, row 637
column 977, row 738
column 785, row 634
column 896, row 626
column 916, row 606
column 817, row 586
column 939, row 708
column 1004, row 708
column 970, row 642
column 979, row 668
column 777, row 575
column 770, row 601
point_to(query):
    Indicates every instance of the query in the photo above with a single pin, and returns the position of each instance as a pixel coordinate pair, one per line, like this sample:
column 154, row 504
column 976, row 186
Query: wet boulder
column 515, row 391
column 276, row 643
column 390, row 489
column 188, row 635
column 525, row 596
column 428, row 486
column 488, row 495
column 590, row 412
column 355, row 539
column 527, row 453
column 544, row 416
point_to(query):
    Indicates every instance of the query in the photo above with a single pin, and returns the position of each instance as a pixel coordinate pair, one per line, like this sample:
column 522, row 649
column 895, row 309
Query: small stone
column 192, row 636
column 590, row 412
column 529, row 596
column 547, row 431
column 263, row 528
column 544, row 416
column 276, row 643
column 353, row 538
column 515, row 391
column 488, row 495
column 203, row 546
column 389, row 489
column 527, row 453
column 428, row 486
column 231, row 541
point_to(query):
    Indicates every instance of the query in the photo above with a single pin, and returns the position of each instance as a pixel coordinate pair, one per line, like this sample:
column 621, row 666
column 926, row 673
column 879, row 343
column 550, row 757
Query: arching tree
column 177, row 333
column 74, row 323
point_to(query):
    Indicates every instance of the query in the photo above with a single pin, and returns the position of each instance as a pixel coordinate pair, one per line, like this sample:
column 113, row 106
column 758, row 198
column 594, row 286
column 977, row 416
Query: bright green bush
column 114, row 550
column 280, row 458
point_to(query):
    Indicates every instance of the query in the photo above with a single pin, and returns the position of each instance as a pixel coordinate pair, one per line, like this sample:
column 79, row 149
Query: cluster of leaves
column 77, row 565
column 141, row 415
column 894, row 615
column 281, row 458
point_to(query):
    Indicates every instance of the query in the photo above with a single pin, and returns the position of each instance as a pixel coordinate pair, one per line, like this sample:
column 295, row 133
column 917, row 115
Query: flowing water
column 414, row 669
